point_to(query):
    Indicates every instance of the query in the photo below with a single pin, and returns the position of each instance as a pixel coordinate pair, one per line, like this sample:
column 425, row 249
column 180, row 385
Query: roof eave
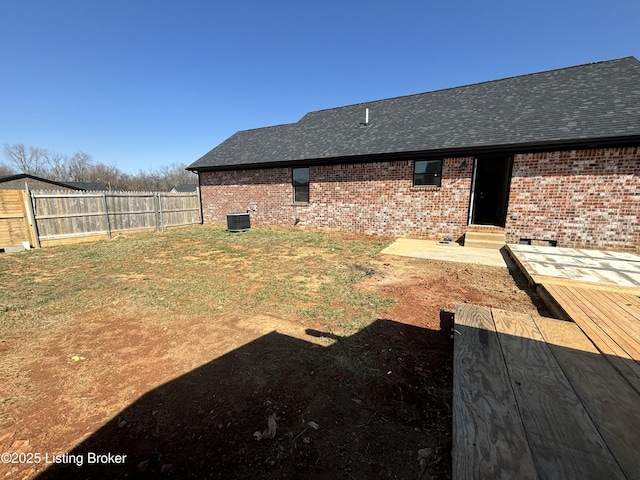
column 531, row 147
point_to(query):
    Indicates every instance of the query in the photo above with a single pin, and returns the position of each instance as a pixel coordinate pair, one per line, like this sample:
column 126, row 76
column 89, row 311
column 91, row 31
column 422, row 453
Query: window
column 427, row 173
column 301, row 185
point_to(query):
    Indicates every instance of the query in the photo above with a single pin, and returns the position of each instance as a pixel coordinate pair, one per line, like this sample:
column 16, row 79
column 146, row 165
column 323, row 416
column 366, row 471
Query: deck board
column 599, row 348
column 612, row 329
column 549, row 280
column 534, row 398
column 602, row 309
column 612, row 308
column 488, row 434
column 609, row 399
column 563, row 439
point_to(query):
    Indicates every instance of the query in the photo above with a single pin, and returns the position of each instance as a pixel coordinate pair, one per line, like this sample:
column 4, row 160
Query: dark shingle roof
column 185, row 188
column 88, row 186
column 569, row 105
column 25, row 176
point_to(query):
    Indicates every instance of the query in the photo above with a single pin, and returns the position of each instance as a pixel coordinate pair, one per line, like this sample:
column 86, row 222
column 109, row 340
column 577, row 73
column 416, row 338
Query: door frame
column 472, row 194
column 503, row 201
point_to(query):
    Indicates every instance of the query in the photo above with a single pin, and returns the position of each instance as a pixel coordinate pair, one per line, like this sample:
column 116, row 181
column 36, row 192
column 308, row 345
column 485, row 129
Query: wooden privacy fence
column 16, row 226
column 68, row 217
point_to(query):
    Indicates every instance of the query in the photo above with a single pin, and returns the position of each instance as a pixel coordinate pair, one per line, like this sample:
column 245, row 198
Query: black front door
column 490, row 190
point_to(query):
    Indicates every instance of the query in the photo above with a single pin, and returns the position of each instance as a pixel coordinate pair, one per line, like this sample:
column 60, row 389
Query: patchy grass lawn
column 174, row 349
column 196, row 270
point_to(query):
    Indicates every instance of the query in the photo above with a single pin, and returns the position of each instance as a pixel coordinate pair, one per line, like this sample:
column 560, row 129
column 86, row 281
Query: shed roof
column 27, row 176
column 595, row 102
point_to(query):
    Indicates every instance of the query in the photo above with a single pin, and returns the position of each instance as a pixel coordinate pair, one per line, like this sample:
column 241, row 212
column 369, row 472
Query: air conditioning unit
column 238, row 222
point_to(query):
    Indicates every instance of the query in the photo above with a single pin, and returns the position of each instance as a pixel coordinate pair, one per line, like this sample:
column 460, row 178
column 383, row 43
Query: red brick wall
column 580, row 198
column 371, row 198
column 268, row 190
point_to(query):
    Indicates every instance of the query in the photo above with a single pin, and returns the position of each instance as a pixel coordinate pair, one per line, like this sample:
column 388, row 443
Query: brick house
column 552, row 156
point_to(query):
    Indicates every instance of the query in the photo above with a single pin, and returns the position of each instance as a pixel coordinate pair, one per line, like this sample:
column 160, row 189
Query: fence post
column 31, row 213
column 156, row 205
column 161, row 222
column 106, row 214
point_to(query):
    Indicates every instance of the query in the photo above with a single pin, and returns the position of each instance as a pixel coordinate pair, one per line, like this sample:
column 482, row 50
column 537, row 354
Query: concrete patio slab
column 452, row 252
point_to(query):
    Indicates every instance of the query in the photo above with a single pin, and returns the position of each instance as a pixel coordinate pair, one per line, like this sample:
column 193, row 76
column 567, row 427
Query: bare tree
column 5, row 170
column 108, row 175
column 25, row 159
column 79, row 167
column 164, row 179
column 56, row 166
column 135, row 182
column 176, row 174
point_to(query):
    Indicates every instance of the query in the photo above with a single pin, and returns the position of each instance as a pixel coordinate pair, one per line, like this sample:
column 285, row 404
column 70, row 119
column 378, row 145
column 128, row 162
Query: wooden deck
column 610, row 319
column 598, row 291
column 533, row 398
column 552, row 399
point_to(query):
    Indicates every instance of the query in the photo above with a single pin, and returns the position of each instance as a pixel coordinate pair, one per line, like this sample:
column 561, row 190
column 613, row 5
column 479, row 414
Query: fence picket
column 64, row 215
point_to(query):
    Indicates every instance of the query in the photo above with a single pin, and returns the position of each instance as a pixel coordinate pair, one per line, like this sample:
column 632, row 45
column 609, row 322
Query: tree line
column 80, row 167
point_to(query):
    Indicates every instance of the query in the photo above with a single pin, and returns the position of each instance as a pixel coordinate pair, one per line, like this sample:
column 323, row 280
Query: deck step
column 517, row 414
column 487, row 239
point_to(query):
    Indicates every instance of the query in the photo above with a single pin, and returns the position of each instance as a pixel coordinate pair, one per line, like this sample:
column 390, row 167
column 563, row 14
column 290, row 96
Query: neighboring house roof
column 185, row 188
column 569, row 106
column 26, row 176
column 88, row 185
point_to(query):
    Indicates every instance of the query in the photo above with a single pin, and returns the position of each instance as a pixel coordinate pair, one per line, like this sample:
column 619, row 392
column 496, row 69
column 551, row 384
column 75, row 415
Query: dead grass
column 153, row 281
column 195, row 270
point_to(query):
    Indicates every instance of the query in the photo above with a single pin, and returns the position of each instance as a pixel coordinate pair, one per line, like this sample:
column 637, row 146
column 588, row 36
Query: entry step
column 484, row 239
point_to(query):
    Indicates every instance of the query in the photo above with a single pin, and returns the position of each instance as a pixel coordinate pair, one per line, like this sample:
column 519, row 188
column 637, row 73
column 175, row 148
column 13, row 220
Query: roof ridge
column 369, row 102
column 270, row 126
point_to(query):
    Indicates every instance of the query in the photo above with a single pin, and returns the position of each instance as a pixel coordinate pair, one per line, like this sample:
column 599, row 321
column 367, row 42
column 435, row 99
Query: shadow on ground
column 377, row 397
column 522, row 282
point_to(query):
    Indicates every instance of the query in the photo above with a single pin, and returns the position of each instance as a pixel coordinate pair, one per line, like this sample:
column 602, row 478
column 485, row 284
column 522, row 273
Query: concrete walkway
column 452, row 252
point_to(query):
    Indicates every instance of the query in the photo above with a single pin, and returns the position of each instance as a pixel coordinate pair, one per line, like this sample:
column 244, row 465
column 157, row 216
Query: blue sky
column 142, row 84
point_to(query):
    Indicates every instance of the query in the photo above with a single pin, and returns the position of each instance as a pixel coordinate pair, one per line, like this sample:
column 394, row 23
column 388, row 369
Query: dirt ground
column 249, row 395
